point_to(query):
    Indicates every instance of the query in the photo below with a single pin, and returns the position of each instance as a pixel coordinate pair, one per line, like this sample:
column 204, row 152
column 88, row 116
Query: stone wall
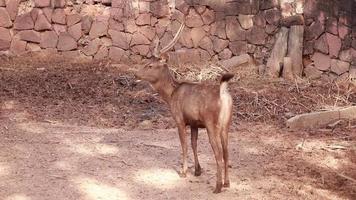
column 124, row 30
column 330, row 39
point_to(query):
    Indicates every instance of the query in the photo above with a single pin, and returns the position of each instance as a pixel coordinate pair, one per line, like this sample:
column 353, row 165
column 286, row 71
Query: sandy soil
column 78, row 131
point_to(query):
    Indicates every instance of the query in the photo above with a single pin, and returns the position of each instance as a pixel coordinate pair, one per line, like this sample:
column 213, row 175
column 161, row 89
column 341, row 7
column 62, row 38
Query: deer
column 196, row 105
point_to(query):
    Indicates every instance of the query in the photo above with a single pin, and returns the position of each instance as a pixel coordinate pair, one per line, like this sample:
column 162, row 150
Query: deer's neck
column 166, row 87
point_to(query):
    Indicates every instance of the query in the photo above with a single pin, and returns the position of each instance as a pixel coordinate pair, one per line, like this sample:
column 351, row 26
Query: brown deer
column 195, row 105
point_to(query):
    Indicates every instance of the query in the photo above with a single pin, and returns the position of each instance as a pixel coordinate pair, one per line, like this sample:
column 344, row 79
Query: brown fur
column 198, row 106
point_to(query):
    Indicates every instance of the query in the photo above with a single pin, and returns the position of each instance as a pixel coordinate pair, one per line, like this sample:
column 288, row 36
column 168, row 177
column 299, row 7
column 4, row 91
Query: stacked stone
column 126, row 30
column 330, row 39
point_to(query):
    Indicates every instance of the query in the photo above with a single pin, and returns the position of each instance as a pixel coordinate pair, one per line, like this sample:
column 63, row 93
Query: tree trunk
column 279, row 51
column 287, row 68
column 295, row 49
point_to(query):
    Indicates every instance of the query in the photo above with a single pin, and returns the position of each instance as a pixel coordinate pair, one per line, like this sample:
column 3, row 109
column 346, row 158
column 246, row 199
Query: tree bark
column 295, row 49
column 279, row 51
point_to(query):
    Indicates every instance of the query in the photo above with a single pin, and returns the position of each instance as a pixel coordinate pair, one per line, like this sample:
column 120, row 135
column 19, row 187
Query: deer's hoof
column 227, row 184
column 182, row 174
column 218, row 188
column 197, row 173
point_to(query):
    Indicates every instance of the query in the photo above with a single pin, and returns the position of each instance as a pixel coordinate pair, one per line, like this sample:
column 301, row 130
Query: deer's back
column 196, row 103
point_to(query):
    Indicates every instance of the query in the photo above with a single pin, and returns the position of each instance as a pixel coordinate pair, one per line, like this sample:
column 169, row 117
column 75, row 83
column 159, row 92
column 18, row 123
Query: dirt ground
column 89, row 131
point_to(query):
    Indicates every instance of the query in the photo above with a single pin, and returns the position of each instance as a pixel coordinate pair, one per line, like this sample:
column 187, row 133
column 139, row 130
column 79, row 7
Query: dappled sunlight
column 18, row 197
column 95, row 190
column 160, row 178
column 106, row 149
column 91, row 149
column 63, row 165
column 4, row 170
column 32, row 127
column 8, row 105
column 329, row 161
column 252, row 150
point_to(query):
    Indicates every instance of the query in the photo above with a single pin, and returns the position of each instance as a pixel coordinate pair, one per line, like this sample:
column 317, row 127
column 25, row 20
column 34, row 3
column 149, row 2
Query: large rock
column 144, row 7
column 184, row 56
column 207, row 45
column 30, row 36
column 322, row 45
column 120, row 39
column 185, row 38
column 314, row 30
column 130, row 26
column 42, row 23
column 58, row 28
column 233, row 29
column 238, row 47
column 235, row 61
column 246, row 21
column 75, row 31
column 92, row 47
column 339, row 67
column 118, row 54
column 219, row 44
column 331, row 25
column 259, row 20
column 208, row 16
column 18, row 47
column 346, row 55
column 148, row 31
column 86, row 24
column 49, row 39
column 218, row 28
column 197, row 35
column 48, row 13
column 141, row 49
column 278, row 53
column 98, row 29
column 12, row 7
column 256, row 35
column 159, row 8
column 225, row 54
column 59, row 16
column 66, row 42
column 73, row 19
column 193, row 19
column 59, row 3
column 311, row 72
column 138, row 39
column 5, row 39
column 321, row 61
column 143, row 19
column 268, row 4
column 273, row 16
column 5, row 20
column 35, row 12
column 295, row 48
column 24, row 22
column 42, row 3
column 343, row 30
column 117, row 3
column 33, row 47
column 334, row 44
column 102, row 53
column 321, row 119
column 116, row 25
